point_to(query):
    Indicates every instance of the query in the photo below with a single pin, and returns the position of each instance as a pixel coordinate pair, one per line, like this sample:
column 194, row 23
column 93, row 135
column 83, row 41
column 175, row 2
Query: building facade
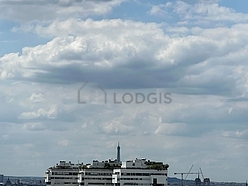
column 109, row 173
column 99, row 173
column 62, row 174
column 95, row 177
column 141, row 172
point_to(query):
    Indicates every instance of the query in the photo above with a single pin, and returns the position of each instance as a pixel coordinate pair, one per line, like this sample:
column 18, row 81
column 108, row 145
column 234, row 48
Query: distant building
column 198, row 181
column 1, row 179
column 8, row 183
column 206, row 182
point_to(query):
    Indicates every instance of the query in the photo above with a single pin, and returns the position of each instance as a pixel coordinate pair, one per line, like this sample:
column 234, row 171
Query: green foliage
column 157, row 165
column 108, row 166
column 82, row 167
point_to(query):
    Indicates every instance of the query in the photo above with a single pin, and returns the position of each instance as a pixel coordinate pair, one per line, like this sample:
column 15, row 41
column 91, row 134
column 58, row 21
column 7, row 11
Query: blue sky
column 195, row 50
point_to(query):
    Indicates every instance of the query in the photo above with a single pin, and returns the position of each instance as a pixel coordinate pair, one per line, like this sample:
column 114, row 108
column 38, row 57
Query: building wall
column 63, row 173
column 67, row 177
column 138, row 163
column 95, row 177
column 139, row 177
column 1, row 179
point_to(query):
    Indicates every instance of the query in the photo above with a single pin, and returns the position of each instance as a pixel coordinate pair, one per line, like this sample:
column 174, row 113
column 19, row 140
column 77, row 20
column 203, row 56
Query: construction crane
column 189, row 172
column 182, row 173
column 202, row 173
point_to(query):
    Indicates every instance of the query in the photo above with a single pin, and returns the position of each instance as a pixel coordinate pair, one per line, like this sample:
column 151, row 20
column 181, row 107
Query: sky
column 168, row 79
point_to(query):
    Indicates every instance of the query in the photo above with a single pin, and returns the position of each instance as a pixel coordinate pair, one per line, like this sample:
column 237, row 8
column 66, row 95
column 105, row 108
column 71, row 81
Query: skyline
column 193, row 51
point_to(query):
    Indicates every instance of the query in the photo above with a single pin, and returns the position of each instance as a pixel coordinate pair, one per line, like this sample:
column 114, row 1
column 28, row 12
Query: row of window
column 64, row 173
column 97, row 178
column 135, row 178
column 96, row 173
column 135, row 183
column 141, row 174
column 66, row 183
column 63, row 178
column 99, row 183
column 110, row 184
column 96, row 183
column 108, row 174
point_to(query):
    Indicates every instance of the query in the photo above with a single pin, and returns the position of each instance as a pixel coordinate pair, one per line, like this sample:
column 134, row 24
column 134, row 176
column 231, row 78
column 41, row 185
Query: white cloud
column 172, row 128
column 215, row 12
column 117, row 48
column 121, row 125
column 158, row 9
column 40, row 113
column 133, row 125
column 46, row 10
column 199, row 12
column 34, row 126
column 236, row 134
column 37, row 98
column 64, row 142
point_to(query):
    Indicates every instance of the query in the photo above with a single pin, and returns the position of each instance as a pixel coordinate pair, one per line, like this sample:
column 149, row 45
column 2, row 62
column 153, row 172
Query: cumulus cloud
column 114, row 48
column 40, row 113
column 45, row 10
column 159, row 9
column 198, row 12
column 119, row 125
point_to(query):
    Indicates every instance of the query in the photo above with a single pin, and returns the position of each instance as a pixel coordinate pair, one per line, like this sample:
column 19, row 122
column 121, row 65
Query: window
column 155, row 181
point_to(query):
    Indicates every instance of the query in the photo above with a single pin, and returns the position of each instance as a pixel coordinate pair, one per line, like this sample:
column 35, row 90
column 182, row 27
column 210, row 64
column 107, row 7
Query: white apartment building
column 140, row 172
column 99, row 173
column 62, row 174
column 108, row 173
